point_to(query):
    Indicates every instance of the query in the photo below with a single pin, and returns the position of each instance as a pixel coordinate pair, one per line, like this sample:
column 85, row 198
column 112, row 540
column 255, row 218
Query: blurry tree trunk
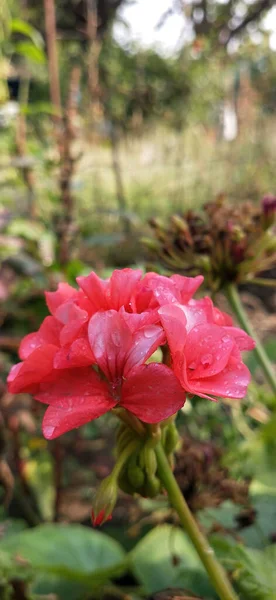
column 121, row 198
column 21, row 146
column 51, row 36
column 93, row 60
column 64, row 134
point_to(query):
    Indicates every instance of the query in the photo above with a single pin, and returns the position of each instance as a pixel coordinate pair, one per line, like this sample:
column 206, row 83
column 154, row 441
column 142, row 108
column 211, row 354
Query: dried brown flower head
column 226, row 243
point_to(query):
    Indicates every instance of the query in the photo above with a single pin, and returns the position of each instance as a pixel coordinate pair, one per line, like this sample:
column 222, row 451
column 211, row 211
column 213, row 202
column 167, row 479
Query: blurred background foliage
column 117, row 135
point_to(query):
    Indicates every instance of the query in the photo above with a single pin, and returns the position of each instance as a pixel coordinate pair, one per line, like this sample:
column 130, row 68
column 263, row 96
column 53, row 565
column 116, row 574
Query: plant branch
column 215, row 571
column 234, row 300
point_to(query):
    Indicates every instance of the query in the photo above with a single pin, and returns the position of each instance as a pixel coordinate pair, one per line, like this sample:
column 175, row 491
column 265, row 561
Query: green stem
column 261, row 281
column 122, row 459
column 233, row 298
column 215, row 571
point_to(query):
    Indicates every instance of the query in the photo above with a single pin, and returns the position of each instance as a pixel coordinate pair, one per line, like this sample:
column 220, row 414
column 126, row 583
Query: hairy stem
column 215, row 571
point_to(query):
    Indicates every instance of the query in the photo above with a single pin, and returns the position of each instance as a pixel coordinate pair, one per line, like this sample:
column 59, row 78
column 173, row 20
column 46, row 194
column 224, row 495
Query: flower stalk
column 234, row 300
column 215, row 571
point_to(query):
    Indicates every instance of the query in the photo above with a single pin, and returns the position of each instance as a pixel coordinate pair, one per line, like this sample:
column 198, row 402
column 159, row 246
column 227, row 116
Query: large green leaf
column 30, row 51
column 256, row 574
column 60, row 588
column 71, row 551
column 253, row 571
column 259, row 534
column 165, row 558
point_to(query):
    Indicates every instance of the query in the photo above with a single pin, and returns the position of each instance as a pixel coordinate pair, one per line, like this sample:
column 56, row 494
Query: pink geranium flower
column 90, row 355
column 206, row 355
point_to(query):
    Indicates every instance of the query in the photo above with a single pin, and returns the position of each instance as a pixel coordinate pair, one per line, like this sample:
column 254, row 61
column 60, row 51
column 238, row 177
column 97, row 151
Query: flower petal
column 48, row 333
column 73, row 386
column 243, row 341
column 152, row 393
column 145, row 342
column 76, row 317
column 59, row 420
column 207, row 350
column 174, row 323
column 95, row 288
column 25, row 376
column 110, row 339
column 136, row 321
column 77, row 354
column 63, row 293
column 121, row 287
column 187, row 286
column 232, row 382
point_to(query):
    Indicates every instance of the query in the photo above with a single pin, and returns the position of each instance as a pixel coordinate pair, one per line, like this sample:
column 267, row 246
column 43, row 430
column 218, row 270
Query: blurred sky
column 142, row 17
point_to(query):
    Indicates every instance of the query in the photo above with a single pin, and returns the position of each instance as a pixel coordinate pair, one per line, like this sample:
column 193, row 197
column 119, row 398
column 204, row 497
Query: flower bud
column 269, row 211
column 180, row 224
column 135, row 474
column 150, row 461
column 171, row 438
column 104, row 501
column 152, row 487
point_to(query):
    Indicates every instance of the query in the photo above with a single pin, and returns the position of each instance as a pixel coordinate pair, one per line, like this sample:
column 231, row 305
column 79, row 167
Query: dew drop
column 226, row 338
column 206, row 360
column 150, row 331
column 116, row 338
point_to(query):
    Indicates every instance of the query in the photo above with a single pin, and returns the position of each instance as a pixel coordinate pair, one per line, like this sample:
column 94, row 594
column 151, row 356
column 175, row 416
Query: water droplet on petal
column 226, row 338
column 150, row 331
column 116, row 338
column 206, row 360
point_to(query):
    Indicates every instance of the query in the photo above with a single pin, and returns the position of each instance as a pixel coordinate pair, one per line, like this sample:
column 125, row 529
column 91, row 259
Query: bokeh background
column 115, row 113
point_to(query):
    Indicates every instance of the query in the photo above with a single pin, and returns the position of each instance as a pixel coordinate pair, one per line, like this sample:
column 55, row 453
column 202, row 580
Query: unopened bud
column 180, row 223
column 150, row 461
column 135, row 474
column 104, row 501
column 151, row 244
column 152, row 487
column 171, row 438
column 269, row 211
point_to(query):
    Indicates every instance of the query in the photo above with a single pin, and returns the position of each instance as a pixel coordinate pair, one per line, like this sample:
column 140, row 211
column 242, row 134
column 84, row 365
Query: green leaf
column 11, row 527
column 259, row 534
column 62, row 589
column 26, row 229
column 30, row 51
column 256, row 575
column 165, row 558
column 19, row 26
column 72, row 552
column 224, row 515
column 38, row 108
column 253, row 571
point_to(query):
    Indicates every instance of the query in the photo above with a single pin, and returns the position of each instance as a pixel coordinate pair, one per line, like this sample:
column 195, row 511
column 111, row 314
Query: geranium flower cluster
column 91, row 355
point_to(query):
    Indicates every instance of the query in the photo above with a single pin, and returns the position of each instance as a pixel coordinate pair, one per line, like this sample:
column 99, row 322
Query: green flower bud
column 171, row 438
column 152, row 487
column 104, row 501
column 150, row 460
column 135, row 474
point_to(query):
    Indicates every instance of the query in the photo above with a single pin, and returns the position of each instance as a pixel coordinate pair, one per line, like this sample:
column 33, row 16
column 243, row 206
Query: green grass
column 162, row 171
